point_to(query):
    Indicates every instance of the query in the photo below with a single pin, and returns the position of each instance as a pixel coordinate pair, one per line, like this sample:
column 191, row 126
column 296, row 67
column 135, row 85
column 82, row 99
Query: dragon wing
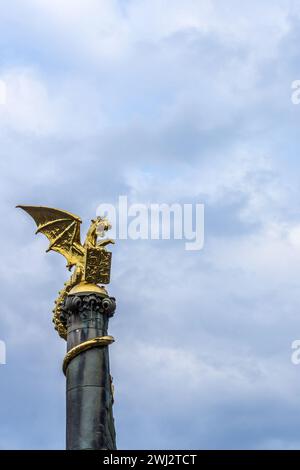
column 61, row 228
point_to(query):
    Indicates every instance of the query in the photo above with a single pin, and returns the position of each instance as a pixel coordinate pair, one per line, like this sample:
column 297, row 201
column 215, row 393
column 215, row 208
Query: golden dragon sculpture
column 90, row 260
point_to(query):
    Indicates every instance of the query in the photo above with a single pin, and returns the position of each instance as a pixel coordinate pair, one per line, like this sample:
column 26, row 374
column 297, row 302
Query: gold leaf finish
column 91, row 261
column 98, row 342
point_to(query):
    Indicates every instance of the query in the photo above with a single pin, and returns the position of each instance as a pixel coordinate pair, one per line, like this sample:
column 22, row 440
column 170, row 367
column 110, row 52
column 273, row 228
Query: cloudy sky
column 165, row 101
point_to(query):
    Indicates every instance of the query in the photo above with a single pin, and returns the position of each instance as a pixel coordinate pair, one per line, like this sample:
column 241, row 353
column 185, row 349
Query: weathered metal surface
column 90, row 423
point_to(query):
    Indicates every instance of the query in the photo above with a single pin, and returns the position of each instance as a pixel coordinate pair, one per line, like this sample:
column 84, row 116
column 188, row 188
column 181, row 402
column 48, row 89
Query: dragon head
column 102, row 226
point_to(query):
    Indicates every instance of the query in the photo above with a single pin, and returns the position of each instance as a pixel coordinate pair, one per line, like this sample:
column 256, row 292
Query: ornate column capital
column 89, row 309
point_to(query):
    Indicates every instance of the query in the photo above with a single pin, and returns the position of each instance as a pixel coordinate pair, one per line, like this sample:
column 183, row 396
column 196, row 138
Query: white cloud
column 111, row 29
column 41, row 108
column 166, row 101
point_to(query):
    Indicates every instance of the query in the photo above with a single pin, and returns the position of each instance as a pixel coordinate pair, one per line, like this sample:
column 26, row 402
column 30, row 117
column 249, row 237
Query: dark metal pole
column 89, row 391
column 81, row 313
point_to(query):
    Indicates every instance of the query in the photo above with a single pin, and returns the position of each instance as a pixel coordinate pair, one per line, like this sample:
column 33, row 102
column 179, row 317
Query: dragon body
column 90, row 260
